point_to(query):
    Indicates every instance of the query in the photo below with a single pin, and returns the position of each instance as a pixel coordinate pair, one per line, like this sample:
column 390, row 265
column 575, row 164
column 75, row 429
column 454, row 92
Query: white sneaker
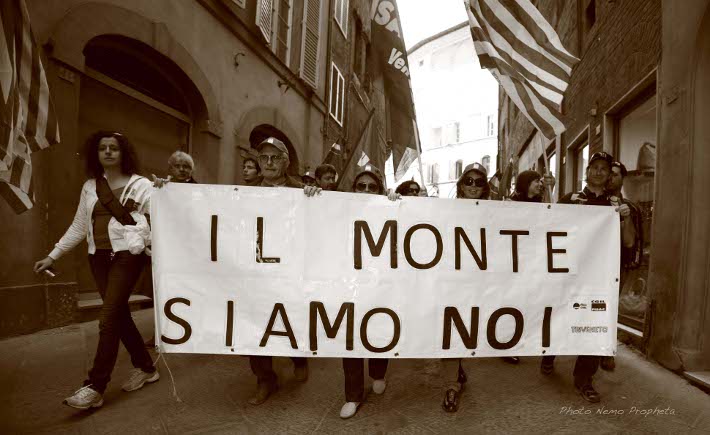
column 349, row 409
column 379, row 385
column 139, row 378
column 85, row 398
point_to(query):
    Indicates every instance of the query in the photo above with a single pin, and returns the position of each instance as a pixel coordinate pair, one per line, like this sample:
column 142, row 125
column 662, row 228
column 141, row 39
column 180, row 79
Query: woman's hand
column 43, row 264
column 311, row 191
column 160, row 182
column 393, row 196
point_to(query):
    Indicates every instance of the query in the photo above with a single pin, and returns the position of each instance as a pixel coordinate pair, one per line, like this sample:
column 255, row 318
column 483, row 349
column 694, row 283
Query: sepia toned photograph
column 354, row 216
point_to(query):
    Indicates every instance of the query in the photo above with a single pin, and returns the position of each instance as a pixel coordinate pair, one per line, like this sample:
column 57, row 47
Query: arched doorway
column 131, row 88
column 263, row 131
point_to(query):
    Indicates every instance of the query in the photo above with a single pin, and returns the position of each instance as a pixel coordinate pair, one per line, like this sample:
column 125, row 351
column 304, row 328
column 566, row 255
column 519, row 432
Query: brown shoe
column 263, row 391
column 301, row 373
column 608, row 364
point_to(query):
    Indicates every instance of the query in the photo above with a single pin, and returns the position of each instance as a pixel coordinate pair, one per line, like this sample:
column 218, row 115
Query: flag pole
column 347, row 164
column 419, row 154
column 547, row 165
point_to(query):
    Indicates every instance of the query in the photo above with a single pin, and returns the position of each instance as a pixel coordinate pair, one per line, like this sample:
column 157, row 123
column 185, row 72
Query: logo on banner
column 578, row 306
column 598, row 305
column 590, row 329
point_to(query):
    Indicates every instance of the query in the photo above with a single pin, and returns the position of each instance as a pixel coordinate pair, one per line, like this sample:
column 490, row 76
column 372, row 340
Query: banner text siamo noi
column 385, row 243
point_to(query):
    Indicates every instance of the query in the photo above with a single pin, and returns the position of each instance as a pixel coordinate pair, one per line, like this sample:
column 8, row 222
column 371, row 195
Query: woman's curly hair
column 129, row 158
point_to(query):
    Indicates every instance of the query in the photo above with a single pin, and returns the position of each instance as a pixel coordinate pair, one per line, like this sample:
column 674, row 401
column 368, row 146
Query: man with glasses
column 273, row 160
column 594, row 193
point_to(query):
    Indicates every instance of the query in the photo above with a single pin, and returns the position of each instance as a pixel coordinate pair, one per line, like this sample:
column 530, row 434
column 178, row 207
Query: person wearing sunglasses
column 409, row 188
column 472, row 184
column 368, row 180
column 594, row 193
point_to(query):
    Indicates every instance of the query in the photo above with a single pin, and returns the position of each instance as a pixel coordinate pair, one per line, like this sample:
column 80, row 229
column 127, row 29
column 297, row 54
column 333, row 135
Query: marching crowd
column 113, row 217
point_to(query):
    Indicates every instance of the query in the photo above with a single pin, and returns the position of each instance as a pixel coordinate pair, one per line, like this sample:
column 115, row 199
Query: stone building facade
column 640, row 92
column 210, row 77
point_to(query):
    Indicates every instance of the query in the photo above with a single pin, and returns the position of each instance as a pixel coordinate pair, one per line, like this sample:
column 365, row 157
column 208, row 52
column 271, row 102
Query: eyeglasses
column 265, row 159
column 478, row 182
column 367, row 187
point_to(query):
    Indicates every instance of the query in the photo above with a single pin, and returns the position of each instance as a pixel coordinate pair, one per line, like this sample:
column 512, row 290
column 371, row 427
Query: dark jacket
column 290, row 182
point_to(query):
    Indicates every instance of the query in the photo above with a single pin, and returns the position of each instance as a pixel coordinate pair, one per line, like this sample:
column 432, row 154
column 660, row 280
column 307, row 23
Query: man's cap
column 475, row 167
column 372, row 170
column 621, row 167
column 601, row 156
column 273, row 142
column 309, row 174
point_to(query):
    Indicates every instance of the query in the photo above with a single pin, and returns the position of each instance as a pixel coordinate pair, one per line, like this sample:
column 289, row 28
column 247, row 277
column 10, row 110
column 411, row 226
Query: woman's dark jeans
column 354, row 374
column 115, row 278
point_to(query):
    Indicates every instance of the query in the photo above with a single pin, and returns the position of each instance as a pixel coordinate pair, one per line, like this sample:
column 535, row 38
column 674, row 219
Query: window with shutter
column 282, row 30
column 310, row 48
column 341, row 15
column 337, row 94
column 264, row 17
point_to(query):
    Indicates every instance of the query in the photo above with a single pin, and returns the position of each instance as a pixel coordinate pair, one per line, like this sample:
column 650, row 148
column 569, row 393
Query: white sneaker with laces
column 379, row 385
column 349, row 409
column 85, row 398
column 139, row 378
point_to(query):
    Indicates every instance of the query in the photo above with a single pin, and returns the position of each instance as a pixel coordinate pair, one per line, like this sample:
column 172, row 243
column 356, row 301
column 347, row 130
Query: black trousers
column 584, row 368
column 115, row 277
column 354, row 373
column 262, row 367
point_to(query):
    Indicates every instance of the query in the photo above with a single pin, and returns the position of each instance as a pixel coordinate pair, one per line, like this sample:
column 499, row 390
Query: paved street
column 37, row 371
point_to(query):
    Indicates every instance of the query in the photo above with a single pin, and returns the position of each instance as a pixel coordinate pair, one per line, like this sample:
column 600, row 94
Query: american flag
column 27, row 120
column 524, row 53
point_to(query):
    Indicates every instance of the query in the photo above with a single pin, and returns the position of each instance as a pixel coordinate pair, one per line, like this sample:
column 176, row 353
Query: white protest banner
column 268, row 271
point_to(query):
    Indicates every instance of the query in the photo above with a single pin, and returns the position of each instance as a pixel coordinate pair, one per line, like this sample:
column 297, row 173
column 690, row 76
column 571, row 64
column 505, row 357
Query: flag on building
column 524, row 53
column 27, row 120
column 369, row 149
column 335, row 157
column 388, row 46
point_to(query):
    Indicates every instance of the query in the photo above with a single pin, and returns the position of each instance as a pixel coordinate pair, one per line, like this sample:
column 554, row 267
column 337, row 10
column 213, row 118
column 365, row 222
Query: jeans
column 450, row 369
column 354, row 373
column 584, row 368
column 263, row 368
column 115, row 277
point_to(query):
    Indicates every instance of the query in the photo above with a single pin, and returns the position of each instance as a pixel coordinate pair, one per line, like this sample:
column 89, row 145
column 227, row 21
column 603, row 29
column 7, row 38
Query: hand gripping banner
column 257, row 271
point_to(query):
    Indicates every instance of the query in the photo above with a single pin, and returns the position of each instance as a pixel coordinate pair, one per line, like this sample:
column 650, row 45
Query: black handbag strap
column 111, row 203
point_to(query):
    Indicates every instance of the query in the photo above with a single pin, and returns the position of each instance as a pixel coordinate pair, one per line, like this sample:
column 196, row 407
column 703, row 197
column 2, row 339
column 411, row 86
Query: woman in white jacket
column 115, row 255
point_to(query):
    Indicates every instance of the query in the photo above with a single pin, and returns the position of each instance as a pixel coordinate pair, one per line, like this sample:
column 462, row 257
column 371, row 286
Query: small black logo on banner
column 598, row 305
column 578, row 306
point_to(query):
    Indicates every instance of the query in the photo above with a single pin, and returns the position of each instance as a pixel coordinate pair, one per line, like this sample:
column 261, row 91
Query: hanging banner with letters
column 268, row 271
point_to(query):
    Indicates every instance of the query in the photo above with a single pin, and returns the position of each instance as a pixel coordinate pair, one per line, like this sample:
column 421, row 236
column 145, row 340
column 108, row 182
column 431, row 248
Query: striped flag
column 524, row 53
column 368, row 150
column 27, row 120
